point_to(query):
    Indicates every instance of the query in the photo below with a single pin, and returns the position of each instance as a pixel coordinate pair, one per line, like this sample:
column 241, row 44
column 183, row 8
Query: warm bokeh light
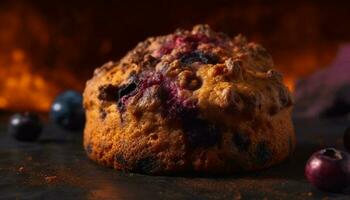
column 21, row 87
column 290, row 83
column 26, row 82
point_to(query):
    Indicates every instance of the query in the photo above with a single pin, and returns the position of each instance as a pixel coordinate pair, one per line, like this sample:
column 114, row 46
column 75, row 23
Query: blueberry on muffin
column 189, row 102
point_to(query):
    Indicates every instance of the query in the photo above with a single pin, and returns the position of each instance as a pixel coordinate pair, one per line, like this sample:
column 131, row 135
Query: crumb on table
column 50, row 179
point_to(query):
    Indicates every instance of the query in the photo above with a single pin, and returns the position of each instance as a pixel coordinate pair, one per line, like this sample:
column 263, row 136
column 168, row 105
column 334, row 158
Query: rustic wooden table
column 56, row 167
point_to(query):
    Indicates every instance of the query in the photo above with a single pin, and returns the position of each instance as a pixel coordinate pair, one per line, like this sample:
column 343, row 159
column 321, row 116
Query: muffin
column 189, row 102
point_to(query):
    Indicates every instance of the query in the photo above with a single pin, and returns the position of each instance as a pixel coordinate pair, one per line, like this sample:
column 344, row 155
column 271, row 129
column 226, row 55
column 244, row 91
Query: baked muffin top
column 196, row 76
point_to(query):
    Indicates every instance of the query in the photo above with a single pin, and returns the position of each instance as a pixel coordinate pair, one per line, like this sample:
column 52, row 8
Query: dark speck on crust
column 201, row 133
column 273, row 110
column 241, row 141
column 263, row 153
column 119, row 158
column 146, row 165
column 196, row 56
column 108, row 92
column 149, row 61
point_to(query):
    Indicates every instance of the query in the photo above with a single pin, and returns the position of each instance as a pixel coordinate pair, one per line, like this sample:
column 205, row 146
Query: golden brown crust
column 192, row 101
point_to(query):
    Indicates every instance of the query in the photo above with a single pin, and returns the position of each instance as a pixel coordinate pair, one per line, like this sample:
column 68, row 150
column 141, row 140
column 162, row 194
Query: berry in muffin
column 192, row 101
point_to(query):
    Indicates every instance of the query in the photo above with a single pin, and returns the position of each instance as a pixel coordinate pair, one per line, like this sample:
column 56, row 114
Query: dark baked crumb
column 241, row 141
column 197, row 56
column 273, row 109
column 108, row 92
column 119, row 158
column 263, row 153
column 252, row 103
column 149, row 61
column 199, row 132
column 146, row 165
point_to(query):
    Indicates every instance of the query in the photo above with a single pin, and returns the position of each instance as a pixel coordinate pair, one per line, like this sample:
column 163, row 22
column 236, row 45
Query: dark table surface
column 56, row 167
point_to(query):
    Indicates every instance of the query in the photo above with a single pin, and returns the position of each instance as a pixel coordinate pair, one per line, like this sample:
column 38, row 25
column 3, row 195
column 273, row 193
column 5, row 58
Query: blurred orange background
column 50, row 46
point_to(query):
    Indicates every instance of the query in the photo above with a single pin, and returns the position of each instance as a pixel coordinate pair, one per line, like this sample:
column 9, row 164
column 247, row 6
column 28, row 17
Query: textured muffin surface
column 192, row 101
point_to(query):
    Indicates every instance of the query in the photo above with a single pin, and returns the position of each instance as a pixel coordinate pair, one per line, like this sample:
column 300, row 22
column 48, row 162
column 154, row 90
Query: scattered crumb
column 309, row 194
column 50, row 179
column 21, row 169
column 29, row 158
